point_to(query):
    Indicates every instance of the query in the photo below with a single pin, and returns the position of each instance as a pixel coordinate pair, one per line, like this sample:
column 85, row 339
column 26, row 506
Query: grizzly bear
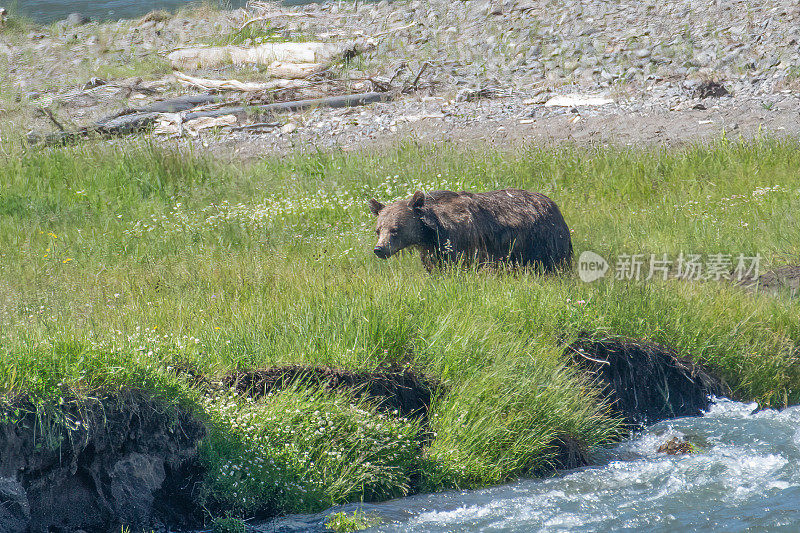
column 509, row 227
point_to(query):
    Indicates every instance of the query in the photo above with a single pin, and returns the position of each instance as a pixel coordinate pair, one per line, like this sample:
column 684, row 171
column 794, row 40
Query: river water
column 745, row 476
column 46, row 11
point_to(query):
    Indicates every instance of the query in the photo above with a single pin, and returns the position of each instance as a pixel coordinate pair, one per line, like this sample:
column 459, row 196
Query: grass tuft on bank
column 120, row 267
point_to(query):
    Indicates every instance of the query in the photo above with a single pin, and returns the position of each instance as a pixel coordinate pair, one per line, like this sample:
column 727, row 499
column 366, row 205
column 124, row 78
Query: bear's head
column 399, row 225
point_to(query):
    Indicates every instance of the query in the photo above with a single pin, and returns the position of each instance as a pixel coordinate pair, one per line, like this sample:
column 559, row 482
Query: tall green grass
column 119, row 265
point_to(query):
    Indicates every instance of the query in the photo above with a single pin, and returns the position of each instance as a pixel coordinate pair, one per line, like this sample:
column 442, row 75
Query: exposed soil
column 784, row 278
column 128, row 461
column 407, row 391
column 569, row 453
column 646, row 382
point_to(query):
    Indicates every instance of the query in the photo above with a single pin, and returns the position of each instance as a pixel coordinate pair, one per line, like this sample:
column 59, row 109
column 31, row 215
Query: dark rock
column 15, row 513
column 77, row 19
column 710, row 89
column 134, row 482
column 675, row 446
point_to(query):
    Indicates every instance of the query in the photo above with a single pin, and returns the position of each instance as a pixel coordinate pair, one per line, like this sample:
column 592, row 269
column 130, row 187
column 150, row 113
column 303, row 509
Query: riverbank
column 490, row 69
column 172, row 275
column 744, row 474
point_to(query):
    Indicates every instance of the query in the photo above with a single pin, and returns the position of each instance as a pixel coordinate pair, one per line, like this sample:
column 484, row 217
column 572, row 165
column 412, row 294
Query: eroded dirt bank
column 646, row 382
column 404, row 391
column 133, row 461
column 128, row 461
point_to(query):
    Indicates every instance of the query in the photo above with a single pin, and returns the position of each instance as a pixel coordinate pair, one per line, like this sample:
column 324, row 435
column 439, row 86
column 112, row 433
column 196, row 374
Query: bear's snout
column 381, row 252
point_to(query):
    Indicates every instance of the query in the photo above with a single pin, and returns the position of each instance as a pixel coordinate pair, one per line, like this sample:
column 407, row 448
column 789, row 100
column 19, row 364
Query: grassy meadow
column 119, row 265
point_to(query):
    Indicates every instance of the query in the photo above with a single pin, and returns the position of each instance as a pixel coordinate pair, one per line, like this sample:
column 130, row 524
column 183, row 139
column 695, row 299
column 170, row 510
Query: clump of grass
column 256, row 33
column 301, row 450
column 148, row 67
column 348, row 522
column 228, row 525
column 503, row 422
column 16, row 23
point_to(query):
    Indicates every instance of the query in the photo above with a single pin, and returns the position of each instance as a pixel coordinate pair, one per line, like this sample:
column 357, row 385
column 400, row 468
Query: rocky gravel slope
column 473, row 70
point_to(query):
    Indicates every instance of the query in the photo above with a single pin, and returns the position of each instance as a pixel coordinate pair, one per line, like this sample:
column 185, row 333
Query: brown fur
column 509, row 227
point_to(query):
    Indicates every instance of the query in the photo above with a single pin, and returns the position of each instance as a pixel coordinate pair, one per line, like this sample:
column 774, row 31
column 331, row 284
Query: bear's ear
column 418, row 200
column 375, row 206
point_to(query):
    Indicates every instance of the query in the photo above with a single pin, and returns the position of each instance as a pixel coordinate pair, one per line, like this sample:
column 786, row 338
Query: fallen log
column 348, row 100
column 236, row 85
column 265, row 54
column 133, row 120
column 125, row 121
column 181, row 103
column 294, row 71
column 274, row 16
column 257, row 126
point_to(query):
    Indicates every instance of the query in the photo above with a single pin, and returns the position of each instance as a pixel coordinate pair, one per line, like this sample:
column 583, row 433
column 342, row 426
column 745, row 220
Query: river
column 745, row 476
column 46, row 11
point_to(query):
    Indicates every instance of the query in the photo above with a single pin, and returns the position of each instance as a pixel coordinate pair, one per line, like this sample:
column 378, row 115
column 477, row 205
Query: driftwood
column 132, row 120
column 50, row 115
column 293, row 71
column 265, row 54
column 348, row 100
column 257, row 126
column 392, row 31
column 236, row 85
column 173, row 124
column 127, row 120
column 176, row 105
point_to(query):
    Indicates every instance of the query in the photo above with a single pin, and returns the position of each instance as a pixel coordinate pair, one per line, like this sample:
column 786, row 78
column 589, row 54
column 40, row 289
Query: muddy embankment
column 128, row 461
column 132, row 461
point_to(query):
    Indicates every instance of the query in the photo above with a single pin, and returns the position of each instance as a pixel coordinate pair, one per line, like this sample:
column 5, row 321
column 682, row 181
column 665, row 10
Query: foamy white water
column 746, row 477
